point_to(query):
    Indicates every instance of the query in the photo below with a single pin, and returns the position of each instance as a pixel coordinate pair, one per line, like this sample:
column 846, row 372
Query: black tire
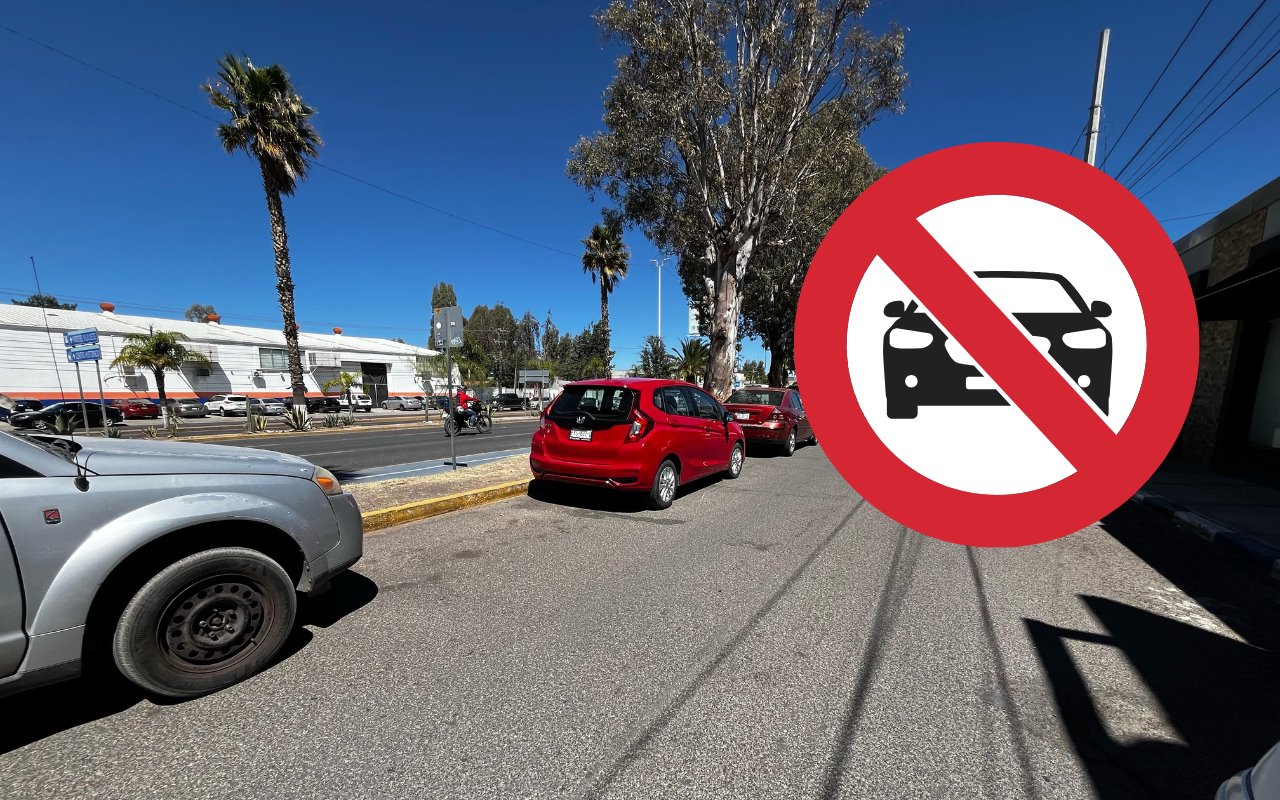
column 205, row 622
column 789, row 445
column 663, row 492
column 483, row 423
column 450, row 426
column 223, row 411
column 737, row 458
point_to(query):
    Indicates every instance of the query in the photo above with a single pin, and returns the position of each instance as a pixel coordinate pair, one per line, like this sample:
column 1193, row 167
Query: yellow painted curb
column 421, row 509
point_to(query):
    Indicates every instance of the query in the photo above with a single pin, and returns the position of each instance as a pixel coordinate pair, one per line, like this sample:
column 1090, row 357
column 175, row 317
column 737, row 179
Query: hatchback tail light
column 641, row 424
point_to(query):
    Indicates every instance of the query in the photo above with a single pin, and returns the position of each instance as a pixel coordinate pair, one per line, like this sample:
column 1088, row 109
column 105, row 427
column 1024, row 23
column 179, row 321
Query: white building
column 249, row 361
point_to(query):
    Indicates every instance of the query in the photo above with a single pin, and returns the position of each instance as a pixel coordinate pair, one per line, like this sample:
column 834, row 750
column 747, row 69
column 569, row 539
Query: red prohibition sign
column 1108, row 466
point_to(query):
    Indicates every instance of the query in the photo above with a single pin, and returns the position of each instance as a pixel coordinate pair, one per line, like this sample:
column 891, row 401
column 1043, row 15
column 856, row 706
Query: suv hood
column 133, row 457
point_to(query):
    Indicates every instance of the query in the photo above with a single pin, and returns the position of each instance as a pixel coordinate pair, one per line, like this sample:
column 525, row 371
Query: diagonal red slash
column 1005, row 354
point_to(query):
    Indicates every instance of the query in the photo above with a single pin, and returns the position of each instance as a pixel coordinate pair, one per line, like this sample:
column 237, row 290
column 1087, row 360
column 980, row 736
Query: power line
column 1167, row 64
column 1162, row 149
column 1189, row 216
column 1215, row 110
column 347, row 175
column 1184, row 164
column 1187, row 93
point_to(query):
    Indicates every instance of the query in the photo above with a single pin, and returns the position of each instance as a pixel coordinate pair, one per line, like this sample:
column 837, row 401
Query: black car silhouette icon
column 925, row 367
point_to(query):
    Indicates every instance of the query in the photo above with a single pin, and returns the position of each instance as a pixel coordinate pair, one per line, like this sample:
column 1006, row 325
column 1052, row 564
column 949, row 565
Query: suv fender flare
column 72, row 591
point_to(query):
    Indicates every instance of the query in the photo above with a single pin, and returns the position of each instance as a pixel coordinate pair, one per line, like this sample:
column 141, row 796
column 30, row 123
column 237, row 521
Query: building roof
column 1259, row 199
column 15, row 316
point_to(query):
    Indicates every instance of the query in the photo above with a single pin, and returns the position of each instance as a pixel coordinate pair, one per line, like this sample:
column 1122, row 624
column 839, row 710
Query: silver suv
column 179, row 563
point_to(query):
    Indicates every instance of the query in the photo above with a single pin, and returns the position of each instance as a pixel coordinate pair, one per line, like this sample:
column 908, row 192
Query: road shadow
column 48, row 710
column 765, row 452
column 1221, row 696
column 594, row 498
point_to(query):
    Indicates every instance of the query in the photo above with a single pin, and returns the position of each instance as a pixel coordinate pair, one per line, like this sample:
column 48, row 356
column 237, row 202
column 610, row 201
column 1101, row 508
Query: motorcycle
column 457, row 421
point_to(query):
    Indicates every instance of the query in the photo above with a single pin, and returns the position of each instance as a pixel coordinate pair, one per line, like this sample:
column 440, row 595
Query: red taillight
column 778, row 415
column 641, row 424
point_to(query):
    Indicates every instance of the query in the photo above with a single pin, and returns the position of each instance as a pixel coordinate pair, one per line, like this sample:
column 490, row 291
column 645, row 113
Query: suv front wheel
column 205, row 622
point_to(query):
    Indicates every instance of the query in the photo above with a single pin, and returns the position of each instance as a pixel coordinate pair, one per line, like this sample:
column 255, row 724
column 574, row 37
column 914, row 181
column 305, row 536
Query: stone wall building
column 1233, row 263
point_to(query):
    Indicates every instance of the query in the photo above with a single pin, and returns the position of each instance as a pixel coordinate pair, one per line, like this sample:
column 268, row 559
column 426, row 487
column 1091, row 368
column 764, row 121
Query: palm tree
column 690, row 359
column 606, row 258
column 270, row 122
column 345, row 381
column 157, row 351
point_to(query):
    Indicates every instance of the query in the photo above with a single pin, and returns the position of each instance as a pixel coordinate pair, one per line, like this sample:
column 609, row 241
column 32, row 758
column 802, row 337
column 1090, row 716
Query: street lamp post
column 659, row 265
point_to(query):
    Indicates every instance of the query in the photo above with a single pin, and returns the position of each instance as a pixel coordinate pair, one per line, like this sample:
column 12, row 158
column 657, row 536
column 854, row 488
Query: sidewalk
column 1232, row 514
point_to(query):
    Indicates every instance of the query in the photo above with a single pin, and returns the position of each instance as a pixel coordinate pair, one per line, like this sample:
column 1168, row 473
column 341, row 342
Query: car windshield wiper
column 65, row 447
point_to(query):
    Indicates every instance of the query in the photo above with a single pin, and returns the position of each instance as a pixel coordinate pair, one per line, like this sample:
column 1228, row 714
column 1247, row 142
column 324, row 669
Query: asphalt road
column 351, row 454
column 773, row 637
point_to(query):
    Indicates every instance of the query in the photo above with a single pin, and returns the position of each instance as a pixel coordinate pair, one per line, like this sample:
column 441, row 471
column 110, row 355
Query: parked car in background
column 227, row 404
column 20, row 405
column 636, row 434
column 72, row 412
column 324, row 405
column 397, row 403
column 189, row 407
column 509, row 401
column 771, row 416
column 185, row 584
column 360, row 401
column 269, row 405
column 133, row 408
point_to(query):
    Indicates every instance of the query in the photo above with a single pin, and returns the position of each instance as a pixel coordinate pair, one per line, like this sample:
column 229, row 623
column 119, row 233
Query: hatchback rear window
column 606, row 402
column 757, row 397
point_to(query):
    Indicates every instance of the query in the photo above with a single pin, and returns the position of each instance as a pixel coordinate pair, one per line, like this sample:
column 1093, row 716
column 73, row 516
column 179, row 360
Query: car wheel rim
column 735, row 460
column 667, row 484
column 214, row 622
column 791, row 442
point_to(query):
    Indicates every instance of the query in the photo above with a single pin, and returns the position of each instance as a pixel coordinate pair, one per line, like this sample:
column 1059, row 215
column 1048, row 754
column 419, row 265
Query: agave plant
column 113, row 432
column 297, row 419
column 151, row 432
column 331, row 420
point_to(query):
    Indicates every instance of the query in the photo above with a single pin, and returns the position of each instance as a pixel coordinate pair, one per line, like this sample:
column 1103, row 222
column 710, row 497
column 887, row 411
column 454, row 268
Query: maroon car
column 137, row 409
column 771, row 416
column 637, row 434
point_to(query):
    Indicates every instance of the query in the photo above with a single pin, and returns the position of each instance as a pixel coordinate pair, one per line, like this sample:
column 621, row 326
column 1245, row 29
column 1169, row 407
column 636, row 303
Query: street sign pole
column 84, row 409
column 453, row 412
column 102, row 398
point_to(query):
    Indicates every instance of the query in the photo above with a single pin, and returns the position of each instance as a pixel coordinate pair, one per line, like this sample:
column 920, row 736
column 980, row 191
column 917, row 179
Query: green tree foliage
column 527, row 341
column 270, row 122
column 198, row 312
column 157, row 352
column 443, row 295
column 690, row 359
column 588, row 354
column 489, row 344
column 702, row 119
column 655, row 361
column 44, row 301
column 790, row 240
column 346, row 381
column 606, row 259
column 753, row 371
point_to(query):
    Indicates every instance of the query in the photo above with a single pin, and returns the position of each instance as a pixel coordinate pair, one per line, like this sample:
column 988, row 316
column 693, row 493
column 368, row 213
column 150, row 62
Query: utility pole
column 1095, row 110
column 659, row 265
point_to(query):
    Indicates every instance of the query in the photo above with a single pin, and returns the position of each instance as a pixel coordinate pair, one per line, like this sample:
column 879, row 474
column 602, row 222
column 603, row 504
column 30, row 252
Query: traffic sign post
column 1020, row 344
column 82, row 345
column 446, row 332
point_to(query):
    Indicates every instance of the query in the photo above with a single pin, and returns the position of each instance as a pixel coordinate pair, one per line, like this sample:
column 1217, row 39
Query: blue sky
column 471, row 108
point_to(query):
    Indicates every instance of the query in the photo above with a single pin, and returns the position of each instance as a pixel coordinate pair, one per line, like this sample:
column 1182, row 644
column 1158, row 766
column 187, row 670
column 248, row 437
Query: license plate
column 580, row 435
column 741, row 415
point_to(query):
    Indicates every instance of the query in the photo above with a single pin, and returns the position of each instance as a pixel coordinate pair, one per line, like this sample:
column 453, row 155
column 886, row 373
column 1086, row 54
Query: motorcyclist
column 464, row 406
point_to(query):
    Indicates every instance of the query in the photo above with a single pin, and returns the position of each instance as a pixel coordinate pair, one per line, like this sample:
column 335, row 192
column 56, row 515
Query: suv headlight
column 1090, row 339
column 903, row 339
column 327, row 482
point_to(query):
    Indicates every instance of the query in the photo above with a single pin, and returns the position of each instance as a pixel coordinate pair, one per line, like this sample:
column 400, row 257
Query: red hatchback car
column 636, row 434
column 771, row 416
column 137, row 409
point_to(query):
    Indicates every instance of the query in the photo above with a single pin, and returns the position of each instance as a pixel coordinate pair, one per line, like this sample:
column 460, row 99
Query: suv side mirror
column 895, row 309
column 1099, row 309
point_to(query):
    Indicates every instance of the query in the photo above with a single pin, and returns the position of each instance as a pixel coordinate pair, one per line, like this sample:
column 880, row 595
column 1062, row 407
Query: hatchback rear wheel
column 205, row 622
column 665, row 483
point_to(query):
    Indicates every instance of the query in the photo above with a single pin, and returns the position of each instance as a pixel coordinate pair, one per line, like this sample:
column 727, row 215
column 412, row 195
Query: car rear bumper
column 622, row 475
column 764, row 431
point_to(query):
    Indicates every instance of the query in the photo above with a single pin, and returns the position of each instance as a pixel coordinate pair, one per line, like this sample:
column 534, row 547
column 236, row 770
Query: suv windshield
column 758, row 397
column 602, row 402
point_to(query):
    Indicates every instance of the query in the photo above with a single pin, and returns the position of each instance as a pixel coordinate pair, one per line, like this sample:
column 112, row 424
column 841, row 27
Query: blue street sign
column 82, row 336
column 84, row 352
